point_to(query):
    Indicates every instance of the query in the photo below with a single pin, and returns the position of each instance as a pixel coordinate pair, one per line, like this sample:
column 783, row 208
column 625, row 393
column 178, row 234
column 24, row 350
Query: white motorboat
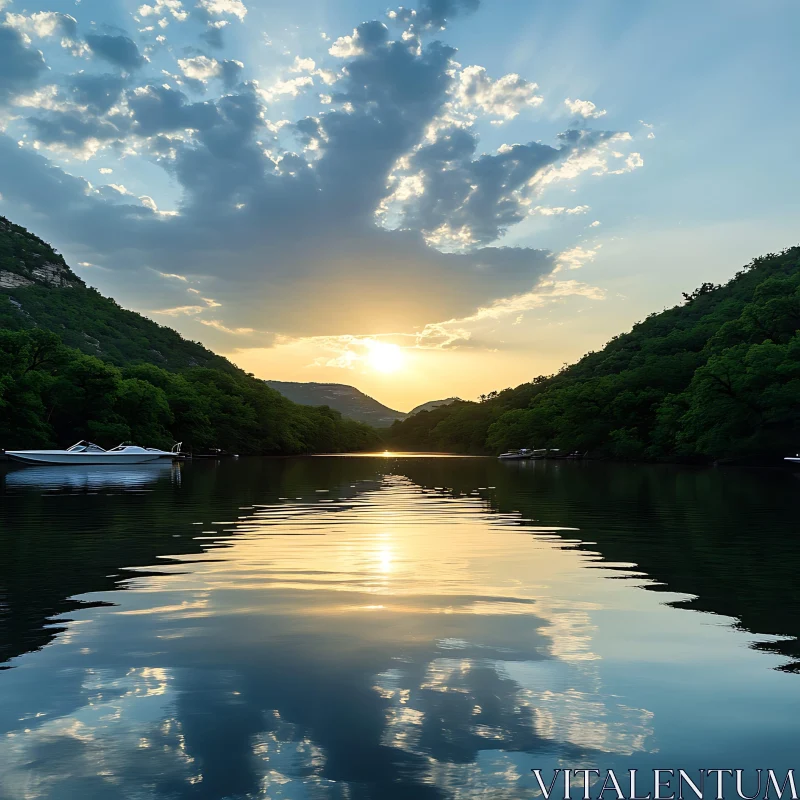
column 793, row 459
column 516, row 455
column 88, row 453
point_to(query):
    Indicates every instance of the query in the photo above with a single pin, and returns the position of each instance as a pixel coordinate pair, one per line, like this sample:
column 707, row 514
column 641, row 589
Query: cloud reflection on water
column 417, row 642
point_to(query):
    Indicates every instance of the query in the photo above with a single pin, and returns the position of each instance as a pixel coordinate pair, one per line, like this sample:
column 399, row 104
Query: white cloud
column 45, row 98
column 105, row 171
column 504, row 97
column 303, row 65
column 439, row 335
column 576, row 257
column 235, row 8
column 595, row 224
column 584, row 108
column 179, row 311
column 595, row 161
column 148, row 202
column 291, row 87
column 632, row 162
column 173, row 276
column 553, row 211
column 200, row 68
column 162, row 7
column 346, row 46
column 216, row 324
column 41, row 24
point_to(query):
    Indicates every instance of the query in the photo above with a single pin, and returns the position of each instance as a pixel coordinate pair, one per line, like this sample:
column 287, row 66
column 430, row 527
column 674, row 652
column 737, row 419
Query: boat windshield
column 85, row 447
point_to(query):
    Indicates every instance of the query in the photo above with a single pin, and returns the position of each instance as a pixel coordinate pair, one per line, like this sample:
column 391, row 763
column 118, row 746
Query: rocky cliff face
column 26, row 260
column 49, row 274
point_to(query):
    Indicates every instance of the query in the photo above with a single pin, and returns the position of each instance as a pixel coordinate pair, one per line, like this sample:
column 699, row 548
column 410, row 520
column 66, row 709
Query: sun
column 384, row 357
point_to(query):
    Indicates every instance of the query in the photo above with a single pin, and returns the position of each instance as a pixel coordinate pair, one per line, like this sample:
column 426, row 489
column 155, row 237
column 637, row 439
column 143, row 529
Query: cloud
column 213, row 34
column 98, row 92
column 21, row 66
column 119, row 50
column 200, row 68
column 435, row 13
column 81, row 134
column 367, row 37
column 159, row 110
column 179, row 311
column 216, row 324
column 632, row 161
column 466, row 198
column 291, row 87
column 277, row 218
column 173, row 276
column 459, row 332
column 44, row 24
column 584, row 108
column 163, row 7
column 504, row 97
column 555, row 211
column 576, row 257
column 231, row 72
column 234, row 8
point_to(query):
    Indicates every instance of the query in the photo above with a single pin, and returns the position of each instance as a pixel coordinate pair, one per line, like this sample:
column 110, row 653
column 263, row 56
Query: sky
column 428, row 201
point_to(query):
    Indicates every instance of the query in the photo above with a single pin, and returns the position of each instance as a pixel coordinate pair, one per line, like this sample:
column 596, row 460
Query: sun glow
column 385, row 357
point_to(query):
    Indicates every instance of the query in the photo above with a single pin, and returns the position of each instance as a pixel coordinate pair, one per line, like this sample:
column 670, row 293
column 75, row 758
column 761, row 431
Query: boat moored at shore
column 516, row 455
column 88, row 453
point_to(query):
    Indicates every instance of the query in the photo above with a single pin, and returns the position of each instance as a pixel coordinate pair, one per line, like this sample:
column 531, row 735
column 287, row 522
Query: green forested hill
column 716, row 377
column 29, row 272
column 75, row 365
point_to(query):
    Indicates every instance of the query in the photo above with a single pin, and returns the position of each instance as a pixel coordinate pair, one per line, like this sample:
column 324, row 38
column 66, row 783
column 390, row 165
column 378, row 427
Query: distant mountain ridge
column 347, row 400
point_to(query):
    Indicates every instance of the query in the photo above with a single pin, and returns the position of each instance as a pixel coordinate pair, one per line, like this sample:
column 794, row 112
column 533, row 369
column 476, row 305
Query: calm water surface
column 390, row 627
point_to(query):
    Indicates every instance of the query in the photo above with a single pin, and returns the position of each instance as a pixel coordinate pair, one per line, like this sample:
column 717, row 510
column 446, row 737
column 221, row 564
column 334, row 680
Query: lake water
column 390, row 627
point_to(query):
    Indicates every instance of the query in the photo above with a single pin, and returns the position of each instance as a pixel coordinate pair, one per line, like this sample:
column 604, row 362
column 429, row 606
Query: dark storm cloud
column 158, row 109
column 482, row 194
column 231, row 73
column 119, row 50
column 67, row 25
column 98, row 92
column 437, row 13
column 20, row 65
column 212, row 36
column 72, row 129
column 394, row 93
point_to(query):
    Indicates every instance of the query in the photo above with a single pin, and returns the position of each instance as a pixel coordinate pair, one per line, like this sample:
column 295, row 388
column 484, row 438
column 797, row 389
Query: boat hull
column 83, row 459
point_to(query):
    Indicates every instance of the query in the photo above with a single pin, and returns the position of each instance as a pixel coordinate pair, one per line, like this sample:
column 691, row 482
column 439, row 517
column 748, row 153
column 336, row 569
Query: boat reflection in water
column 89, row 478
